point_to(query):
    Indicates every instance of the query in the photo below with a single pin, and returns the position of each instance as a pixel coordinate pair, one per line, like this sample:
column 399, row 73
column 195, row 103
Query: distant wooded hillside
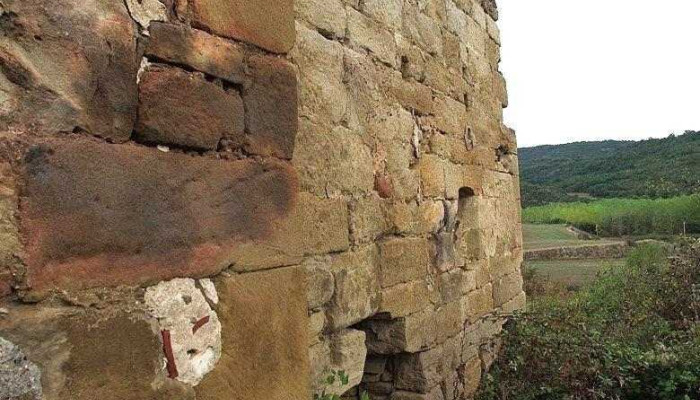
column 621, row 169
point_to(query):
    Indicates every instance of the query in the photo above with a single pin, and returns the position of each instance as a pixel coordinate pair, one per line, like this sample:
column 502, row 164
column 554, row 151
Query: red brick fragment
column 200, row 323
column 168, row 351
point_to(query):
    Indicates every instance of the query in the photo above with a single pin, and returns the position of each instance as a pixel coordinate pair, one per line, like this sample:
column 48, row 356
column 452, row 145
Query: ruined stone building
column 231, row 199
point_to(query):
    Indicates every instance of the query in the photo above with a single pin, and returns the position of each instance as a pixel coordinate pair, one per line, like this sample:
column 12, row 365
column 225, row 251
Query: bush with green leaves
column 335, row 379
column 634, row 334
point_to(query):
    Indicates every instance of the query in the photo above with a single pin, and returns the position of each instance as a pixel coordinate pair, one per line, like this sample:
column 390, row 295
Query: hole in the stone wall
column 187, row 299
column 466, row 209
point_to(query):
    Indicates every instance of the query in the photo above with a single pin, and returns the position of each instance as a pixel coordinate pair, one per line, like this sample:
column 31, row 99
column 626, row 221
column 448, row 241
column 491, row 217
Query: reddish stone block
column 178, row 44
column 95, row 214
column 272, row 115
column 180, row 108
column 68, row 65
column 265, row 23
column 5, row 284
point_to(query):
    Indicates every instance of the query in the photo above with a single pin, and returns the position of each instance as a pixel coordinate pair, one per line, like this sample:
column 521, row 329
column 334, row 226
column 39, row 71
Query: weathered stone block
column 315, row 226
column 356, row 287
column 478, row 303
column 329, row 16
column 265, row 23
column 387, row 12
column 333, row 161
column 197, row 49
column 320, row 281
column 432, row 173
column 323, row 97
column 409, row 218
column 10, row 246
column 518, row 303
column 96, row 214
column 507, row 288
column 183, row 109
column 419, row 372
column 81, row 357
column 422, row 29
column 450, row 116
column 472, row 376
column 70, row 66
column 267, row 356
column 271, row 116
column 405, row 299
column 368, row 219
column 349, row 354
column 451, row 285
column 404, row 260
column 368, row 34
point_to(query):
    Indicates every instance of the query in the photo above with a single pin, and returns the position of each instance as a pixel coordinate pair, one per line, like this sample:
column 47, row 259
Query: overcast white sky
column 600, row 69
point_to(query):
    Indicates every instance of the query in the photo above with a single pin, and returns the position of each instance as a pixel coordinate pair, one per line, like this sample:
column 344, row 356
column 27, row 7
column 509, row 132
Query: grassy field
column 623, row 217
column 555, row 235
column 573, row 273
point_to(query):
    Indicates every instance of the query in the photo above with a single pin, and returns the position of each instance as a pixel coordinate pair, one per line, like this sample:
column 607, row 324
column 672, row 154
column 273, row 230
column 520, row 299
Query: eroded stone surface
column 97, row 214
column 190, row 329
column 271, row 107
column 197, row 49
column 265, row 23
column 146, row 11
column 265, row 338
column 68, row 66
column 92, row 355
column 184, row 109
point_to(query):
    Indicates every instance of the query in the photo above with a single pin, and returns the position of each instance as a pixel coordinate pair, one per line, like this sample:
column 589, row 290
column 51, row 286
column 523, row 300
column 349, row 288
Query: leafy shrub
column 336, row 378
column 633, row 334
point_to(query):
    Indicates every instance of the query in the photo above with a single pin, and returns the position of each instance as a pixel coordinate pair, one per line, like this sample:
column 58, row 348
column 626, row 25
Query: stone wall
column 218, row 199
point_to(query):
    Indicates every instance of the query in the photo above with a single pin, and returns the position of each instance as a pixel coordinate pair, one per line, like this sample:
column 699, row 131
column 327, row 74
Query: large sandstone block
column 178, row 44
column 264, row 338
column 323, row 97
column 271, row 107
column 368, row 34
column 265, row 23
column 419, row 372
column 356, row 295
column 70, row 65
column 329, row 16
column 89, row 355
column 507, row 288
column 332, row 160
column 95, row 214
column 404, row 260
column 315, row 226
column 405, row 299
column 184, row 109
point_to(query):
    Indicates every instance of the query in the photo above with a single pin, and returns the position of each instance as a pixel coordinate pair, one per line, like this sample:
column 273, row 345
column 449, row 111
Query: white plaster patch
column 209, row 290
column 142, row 68
column 145, row 11
column 190, row 329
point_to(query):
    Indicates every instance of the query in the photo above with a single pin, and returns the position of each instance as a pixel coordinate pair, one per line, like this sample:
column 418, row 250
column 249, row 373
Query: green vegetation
column 655, row 168
column 632, row 334
column 572, row 273
column 336, row 379
column 621, row 217
column 546, row 236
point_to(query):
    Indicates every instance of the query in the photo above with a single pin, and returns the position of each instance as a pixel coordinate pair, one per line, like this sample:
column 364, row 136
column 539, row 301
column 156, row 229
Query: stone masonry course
column 235, row 199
